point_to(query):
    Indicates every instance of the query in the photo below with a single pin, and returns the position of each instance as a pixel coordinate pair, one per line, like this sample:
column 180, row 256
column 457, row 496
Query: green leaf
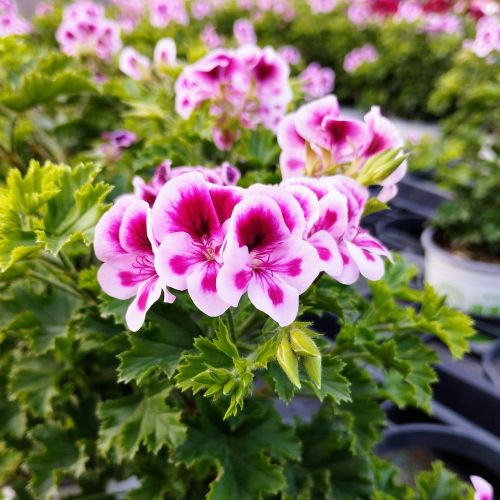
column 155, row 348
column 56, row 455
column 218, row 370
column 50, row 206
column 37, row 88
column 373, row 205
column 441, row 484
column 46, row 315
column 333, row 383
column 282, row 385
column 450, row 326
column 33, row 383
column 9, row 461
column 241, row 452
column 146, row 419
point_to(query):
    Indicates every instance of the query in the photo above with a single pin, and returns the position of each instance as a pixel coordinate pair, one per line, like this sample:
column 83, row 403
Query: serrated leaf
column 146, row 419
column 37, row 88
column 241, row 452
column 282, row 385
column 439, row 483
column 450, row 326
column 33, row 383
column 47, row 315
column 158, row 347
column 56, row 454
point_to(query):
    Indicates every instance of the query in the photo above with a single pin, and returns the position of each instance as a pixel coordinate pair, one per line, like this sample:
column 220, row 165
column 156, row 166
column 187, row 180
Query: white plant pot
column 469, row 285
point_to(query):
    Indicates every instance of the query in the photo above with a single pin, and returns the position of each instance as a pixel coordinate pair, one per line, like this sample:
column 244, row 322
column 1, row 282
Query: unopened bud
column 288, row 362
column 313, row 369
column 303, row 344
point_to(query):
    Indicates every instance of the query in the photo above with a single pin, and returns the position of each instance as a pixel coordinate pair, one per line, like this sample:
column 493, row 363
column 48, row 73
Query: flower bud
column 288, row 362
column 229, row 386
column 313, row 369
column 303, row 344
column 379, row 167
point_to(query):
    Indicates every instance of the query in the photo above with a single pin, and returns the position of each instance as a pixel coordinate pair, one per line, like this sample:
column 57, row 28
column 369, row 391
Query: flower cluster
column 85, row 30
column 316, row 81
column 11, row 23
column 359, row 56
column 243, row 32
column 317, row 140
column 220, row 242
column 245, row 87
column 487, row 38
column 164, row 12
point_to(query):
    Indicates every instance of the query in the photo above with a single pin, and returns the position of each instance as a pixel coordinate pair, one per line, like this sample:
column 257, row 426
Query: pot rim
column 427, row 240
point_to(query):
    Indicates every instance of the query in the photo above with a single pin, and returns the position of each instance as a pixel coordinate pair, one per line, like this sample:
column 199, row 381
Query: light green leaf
column 450, row 326
column 9, row 461
column 146, row 419
column 441, row 484
column 37, row 88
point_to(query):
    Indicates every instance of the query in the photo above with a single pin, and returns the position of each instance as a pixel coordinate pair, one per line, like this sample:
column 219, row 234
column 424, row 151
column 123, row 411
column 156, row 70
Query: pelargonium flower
column 44, row 8
column 124, row 243
column 165, row 53
column 163, row 12
column 482, row 489
column 210, row 38
column 333, row 207
column 11, row 23
column 265, row 259
column 361, row 55
column 435, row 23
column 201, row 9
column 290, row 54
column 134, row 64
column 317, row 140
column 224, row 175
column 85, row 30
column 243, row 32
column 317, row 81
column 322, row 6
column 487, row 37
column 189, row 218
column 245, row 88
column 115, row 142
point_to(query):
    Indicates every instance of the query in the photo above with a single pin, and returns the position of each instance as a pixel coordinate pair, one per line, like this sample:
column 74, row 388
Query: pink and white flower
column 317, row 81
column 164, row 12
column 359, row 56
column 124, row 243
column 483, row 489
column 116, row 142
column 264, row 258
column 189, row 218
column 165, row 53
column 134, row 64
column 243, row 32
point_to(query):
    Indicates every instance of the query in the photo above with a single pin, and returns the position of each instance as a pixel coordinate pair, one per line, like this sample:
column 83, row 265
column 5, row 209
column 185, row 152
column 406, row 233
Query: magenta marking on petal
column 241, row 279
column 292, row 268
column 275, row 294
column 368, row 255
column 345, row 259
column 208, row 282
column 136, row 237
column 257, row 228
column 324, row 253
column 142, row 301
column 179, row 264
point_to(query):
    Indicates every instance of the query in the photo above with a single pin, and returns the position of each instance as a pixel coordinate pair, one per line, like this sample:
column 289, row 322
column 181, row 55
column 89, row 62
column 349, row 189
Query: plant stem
column 230, row 320
column 57, row 284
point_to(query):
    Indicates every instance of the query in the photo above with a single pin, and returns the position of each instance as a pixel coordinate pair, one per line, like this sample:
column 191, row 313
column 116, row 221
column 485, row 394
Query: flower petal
column 202, row 288
column 308, row 202
column 309, row 118
column 119, row 278
column 289, row 206
column 257, row 223
column 234, row 275
column 292, row 163
column 134, row 229
column 328, row 252
column 184, row 205
column 332, row 214
column 370, row 265
column 296, row 262
column 350, row 271
column 288, row 137
column 107, row 241
column 224, row 199
column 274, row 297
column 175, row 258
column 148, row 293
